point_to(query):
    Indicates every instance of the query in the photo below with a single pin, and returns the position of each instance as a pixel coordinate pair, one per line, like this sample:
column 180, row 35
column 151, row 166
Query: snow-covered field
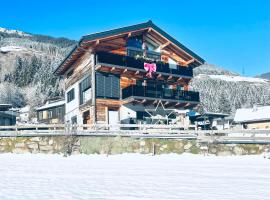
column 133, row 176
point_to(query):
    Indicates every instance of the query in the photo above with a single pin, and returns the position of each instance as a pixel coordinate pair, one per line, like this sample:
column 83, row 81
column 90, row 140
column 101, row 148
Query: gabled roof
column 51, row 105
column 145, row 25
column 260, row 113
column 4, row 107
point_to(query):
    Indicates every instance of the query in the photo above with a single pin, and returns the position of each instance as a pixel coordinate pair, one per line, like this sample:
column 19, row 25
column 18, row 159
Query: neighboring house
column 257, row 117
column 53, row 112
column 211, row 120
column 117, row 75
column 7, row 117
column 24, row 113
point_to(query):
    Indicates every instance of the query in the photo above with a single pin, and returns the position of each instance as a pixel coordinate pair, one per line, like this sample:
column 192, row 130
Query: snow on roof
column 25, row 109
column 51, row 105
column 238, row 78
column 252, row 114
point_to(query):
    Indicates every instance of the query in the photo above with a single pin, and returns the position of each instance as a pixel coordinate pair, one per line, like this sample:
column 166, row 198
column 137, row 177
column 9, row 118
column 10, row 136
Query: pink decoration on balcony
column 150, row 67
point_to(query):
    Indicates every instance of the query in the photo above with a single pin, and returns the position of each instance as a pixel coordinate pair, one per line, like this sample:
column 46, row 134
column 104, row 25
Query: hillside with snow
column 14, row 32
column 27, row 62
column 265, row 76
column 223, row 91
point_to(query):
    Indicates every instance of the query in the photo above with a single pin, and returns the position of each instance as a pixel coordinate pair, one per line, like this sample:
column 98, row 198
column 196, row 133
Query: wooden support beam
column 187, row 105
column 190, row 61
column 98, row 67
column 174, row 57
column 164, row 45
column 112, row 69
column 96, row 43
column 179, row 79
column 143, row 101
column 177, row 104
column 124, row 71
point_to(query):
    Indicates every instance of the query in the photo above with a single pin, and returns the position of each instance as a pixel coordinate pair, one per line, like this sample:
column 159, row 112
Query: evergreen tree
column 224, row 104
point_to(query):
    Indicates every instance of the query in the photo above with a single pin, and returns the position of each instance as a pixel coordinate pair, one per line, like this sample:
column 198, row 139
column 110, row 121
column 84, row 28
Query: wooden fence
column 139, row 131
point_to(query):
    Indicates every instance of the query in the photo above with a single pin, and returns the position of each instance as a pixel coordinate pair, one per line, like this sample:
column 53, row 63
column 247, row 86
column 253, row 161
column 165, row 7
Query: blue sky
column 232, row 34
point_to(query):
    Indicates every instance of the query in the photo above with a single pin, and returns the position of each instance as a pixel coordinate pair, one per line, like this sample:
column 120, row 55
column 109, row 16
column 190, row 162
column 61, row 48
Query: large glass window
column 135, row 42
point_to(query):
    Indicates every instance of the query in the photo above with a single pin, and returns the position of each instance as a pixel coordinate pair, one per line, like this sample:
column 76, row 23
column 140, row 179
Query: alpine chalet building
column 133, row 74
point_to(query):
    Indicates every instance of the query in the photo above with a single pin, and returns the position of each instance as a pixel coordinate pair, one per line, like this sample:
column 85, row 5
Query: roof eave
column 148, row 24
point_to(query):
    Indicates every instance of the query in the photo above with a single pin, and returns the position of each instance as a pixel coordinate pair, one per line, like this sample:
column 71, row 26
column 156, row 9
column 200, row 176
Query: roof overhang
column 94, row 39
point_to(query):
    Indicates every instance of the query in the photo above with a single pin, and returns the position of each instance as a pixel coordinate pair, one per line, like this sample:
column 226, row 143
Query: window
column 70, row 95
column 135, row 42
column 40, row 115
column 50, row 114
column 74, row 120
column 85, row 90
column 69, row 74
column 45, row 114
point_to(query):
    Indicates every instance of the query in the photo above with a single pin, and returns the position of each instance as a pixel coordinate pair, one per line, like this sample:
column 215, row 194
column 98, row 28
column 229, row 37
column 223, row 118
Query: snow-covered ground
column 133, row 176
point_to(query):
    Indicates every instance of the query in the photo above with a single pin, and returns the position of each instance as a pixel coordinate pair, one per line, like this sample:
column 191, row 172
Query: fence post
column 153, row 149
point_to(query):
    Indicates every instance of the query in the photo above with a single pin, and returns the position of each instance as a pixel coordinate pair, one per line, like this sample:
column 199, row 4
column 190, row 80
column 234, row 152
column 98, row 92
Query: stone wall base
column 68, row 145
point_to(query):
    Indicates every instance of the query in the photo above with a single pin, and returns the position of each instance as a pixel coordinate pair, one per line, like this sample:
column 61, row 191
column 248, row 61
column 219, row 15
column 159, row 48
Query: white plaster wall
column 129, row 110
column 72, row 107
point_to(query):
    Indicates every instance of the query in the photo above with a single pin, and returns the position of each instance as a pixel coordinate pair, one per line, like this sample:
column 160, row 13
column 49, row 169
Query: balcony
column 131, row 63
column 160, row 93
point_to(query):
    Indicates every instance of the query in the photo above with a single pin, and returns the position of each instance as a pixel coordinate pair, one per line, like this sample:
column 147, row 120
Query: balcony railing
column 138, row 64
column 160, row 93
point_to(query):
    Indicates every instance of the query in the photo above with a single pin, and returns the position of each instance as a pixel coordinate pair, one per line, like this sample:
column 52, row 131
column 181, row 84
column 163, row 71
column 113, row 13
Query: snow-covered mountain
column 265, row 76
column 224, row 91
column 210, row 69
column 26, row 65
column 15, row 32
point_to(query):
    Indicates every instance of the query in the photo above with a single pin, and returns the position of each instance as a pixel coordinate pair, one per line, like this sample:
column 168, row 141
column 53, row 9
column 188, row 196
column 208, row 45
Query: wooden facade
column 115, row 61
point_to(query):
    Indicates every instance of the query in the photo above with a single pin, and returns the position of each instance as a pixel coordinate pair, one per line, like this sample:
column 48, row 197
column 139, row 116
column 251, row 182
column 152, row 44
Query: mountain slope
column 210, row 69
column 27, row 62
column 224, row 91
column 265, row 76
